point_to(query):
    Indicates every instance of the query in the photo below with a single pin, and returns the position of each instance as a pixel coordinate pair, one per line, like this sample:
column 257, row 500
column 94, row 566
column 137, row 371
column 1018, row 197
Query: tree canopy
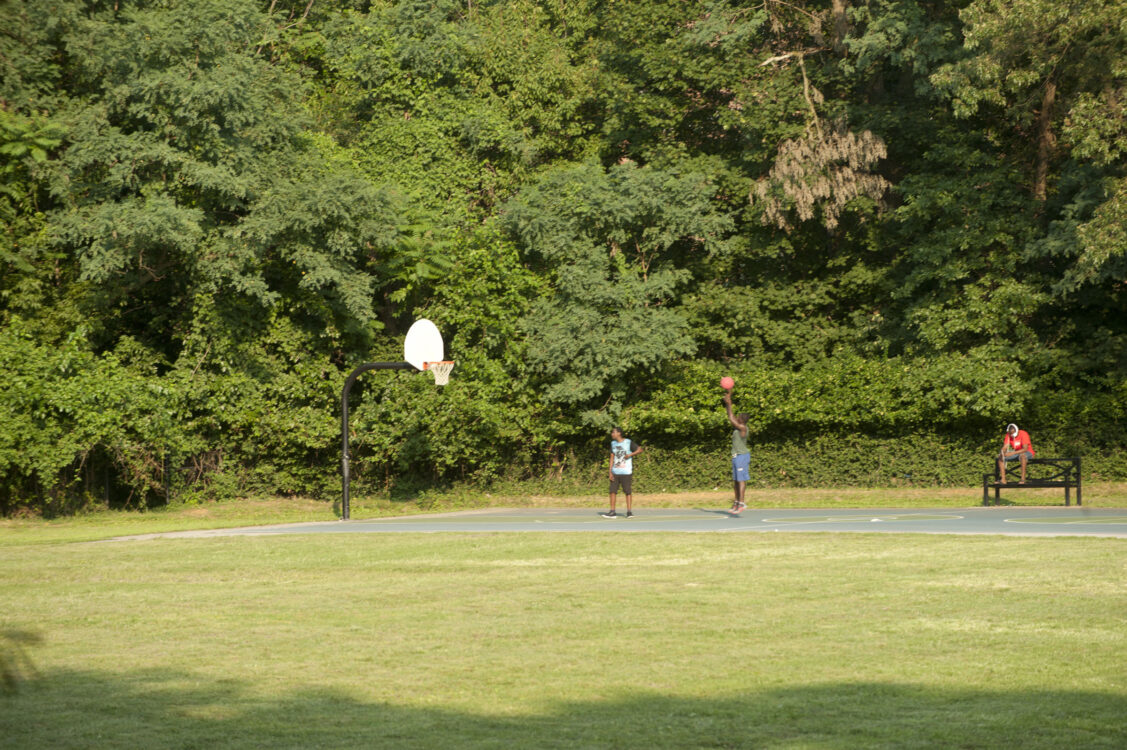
column 885, row 217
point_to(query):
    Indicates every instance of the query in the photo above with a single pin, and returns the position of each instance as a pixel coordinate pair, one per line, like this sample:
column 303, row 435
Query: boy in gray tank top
column 741, row 456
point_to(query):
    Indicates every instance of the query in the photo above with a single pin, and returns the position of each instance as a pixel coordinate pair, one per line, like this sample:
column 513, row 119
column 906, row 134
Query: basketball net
column 441, row 371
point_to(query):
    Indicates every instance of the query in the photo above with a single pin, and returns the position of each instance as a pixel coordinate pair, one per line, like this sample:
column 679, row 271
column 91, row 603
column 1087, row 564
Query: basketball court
column 1007, row 521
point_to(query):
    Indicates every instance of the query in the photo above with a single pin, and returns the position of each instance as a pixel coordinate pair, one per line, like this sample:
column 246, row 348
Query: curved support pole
column 344, row 509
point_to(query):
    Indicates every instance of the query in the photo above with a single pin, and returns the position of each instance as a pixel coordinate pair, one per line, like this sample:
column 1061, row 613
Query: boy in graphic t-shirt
column 622, row 452
column 1016, row 446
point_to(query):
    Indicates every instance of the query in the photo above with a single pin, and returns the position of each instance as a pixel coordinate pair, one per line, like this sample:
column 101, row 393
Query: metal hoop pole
column 344, row 509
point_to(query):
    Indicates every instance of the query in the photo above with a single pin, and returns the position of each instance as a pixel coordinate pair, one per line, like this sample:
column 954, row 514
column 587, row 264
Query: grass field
column 608, row 640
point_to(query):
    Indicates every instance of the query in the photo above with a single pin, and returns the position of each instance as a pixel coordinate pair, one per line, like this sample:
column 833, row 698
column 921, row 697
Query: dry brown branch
column 818, row 174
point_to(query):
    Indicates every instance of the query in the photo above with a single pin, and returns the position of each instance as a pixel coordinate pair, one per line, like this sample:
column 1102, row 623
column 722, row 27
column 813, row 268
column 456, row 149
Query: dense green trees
column 889, row 218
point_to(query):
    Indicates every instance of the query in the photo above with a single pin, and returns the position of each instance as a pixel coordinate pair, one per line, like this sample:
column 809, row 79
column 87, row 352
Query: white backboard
column 423, row 344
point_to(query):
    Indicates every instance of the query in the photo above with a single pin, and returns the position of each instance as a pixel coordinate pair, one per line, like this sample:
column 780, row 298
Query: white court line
column 859, row 518
column 1074, row 521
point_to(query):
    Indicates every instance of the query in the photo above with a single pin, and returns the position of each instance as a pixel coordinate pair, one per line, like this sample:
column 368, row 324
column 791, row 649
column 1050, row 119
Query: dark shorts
column 1017, row 456
column 621, row 480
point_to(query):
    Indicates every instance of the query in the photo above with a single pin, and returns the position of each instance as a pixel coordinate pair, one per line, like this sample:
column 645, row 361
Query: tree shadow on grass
column 176, row 710
column 16, row 666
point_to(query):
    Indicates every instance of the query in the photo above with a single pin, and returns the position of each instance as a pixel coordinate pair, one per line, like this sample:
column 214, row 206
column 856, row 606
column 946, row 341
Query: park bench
column 1063, row 472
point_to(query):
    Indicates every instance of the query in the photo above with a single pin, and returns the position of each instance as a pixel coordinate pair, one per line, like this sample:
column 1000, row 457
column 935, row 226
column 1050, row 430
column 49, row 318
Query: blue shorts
column 741, row 467
column 1017, row 456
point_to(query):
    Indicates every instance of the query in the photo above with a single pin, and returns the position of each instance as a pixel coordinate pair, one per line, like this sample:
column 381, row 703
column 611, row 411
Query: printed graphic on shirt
column 623, row 463
column 1018, row 442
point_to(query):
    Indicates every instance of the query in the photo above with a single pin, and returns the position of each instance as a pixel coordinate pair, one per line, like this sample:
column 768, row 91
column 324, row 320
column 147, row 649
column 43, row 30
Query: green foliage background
column 898, row 224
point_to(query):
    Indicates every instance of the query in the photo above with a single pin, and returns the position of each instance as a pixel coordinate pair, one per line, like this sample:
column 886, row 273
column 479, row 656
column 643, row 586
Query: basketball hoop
column 441, row 371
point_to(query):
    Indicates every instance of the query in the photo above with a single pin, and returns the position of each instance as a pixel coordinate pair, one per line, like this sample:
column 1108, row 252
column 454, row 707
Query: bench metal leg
column 1079, row 481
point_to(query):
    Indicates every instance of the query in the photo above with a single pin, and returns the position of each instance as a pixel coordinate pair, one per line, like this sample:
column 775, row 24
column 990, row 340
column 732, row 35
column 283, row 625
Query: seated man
column 1016, row 446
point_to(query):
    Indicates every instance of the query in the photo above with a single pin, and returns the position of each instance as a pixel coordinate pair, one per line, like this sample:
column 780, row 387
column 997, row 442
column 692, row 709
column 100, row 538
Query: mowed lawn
column 613, row 640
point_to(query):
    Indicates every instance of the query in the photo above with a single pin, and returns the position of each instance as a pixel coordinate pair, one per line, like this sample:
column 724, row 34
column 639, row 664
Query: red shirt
column 1020, row 443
